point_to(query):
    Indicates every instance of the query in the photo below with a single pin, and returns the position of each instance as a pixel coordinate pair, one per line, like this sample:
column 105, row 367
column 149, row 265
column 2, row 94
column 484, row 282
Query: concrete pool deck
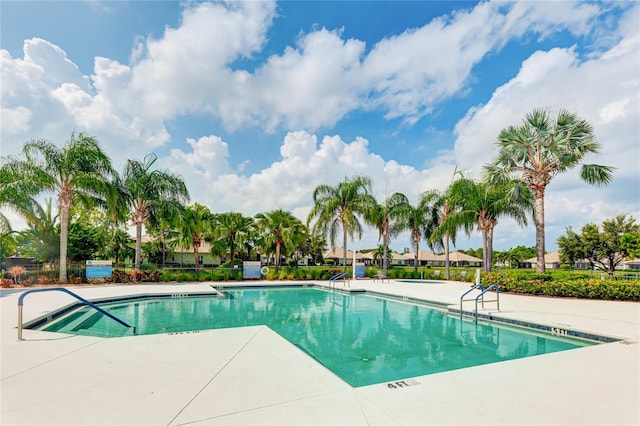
column 248, row 376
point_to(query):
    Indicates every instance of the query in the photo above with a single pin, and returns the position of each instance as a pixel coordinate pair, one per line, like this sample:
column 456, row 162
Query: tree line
column 603, row 246
column 80, row 175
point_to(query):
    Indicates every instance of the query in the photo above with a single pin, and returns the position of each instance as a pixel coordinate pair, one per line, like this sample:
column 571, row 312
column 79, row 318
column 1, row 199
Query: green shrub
column 588, row 288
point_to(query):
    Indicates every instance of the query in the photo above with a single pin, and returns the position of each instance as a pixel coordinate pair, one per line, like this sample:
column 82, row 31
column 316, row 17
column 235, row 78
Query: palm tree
column 7, row 240
column 380, row 254
column 120, row 245
column 79, row 171
column 151, row 195
column 229, row 230
column 279, row 228
column 440, row 212
column 420, row 224
column 42, row 235
column 540, row 149
column 482, row 203
column 337, row 207
column 385, row 218
column 196, row 222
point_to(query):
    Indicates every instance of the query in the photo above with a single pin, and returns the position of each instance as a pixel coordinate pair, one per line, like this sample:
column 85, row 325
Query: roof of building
column 337, row 253
column 548, row 258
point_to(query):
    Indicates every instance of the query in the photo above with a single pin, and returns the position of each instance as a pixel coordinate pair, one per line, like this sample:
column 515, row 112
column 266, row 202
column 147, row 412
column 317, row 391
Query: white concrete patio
column 250, row 376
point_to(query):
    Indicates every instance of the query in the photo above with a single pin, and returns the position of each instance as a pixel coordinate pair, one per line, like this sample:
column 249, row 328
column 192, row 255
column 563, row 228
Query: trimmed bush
column 583, row 288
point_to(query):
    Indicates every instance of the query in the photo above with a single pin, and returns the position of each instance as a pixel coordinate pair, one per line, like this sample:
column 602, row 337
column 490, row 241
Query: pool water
column 363, row 339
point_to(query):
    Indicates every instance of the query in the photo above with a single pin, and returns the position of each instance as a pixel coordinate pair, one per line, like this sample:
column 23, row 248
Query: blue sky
column 256, row 103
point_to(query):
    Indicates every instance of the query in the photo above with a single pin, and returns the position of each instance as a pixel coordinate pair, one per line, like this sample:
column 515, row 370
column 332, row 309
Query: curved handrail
column 491, row 287
column 471, row 289
column 462, row 299
column 333, row 279
column 64, row 290
column 337, row 276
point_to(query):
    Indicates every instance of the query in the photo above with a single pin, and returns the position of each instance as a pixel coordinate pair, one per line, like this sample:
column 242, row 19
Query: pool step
column 79, row 321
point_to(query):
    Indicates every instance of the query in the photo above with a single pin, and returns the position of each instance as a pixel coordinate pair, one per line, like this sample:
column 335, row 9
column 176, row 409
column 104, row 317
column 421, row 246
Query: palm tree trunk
column 446, row 256
column 196, row 251
column 232, row 248
column 385, row 259
column 485, row 250
column 344, row 247
column 539, row 218
column 277, row 255
column 138, row 245
column 416, row 257
column 489, row 249
column 64, row 235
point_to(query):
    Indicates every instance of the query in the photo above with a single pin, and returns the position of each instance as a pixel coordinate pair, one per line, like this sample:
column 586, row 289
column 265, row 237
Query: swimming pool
column 364, row 339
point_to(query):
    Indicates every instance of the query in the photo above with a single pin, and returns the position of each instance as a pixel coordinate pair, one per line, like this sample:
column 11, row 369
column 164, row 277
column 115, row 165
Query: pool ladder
column 481, row 297
column 343, row 275
column 64, row 290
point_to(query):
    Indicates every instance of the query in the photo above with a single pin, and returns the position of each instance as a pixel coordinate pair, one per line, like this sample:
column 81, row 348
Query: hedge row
column 588, row 288
column 524, row 282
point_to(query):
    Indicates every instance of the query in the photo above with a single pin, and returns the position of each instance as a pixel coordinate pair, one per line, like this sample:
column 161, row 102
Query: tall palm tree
column 151, row 195
column 229, row 230
column 196, row 222
column 337, row 208
column 79, row 171
column 385, row 218
column 420, row 224
column 279, row 228
column 542, row 148
column 440, row 212
column 482, row 203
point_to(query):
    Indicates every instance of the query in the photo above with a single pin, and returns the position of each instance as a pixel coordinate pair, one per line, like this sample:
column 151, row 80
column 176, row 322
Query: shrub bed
column 588, row 288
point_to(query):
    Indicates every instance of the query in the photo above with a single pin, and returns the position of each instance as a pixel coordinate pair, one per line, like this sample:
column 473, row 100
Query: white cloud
column 187, row 70
column 206, row 162
column 547, row 17
column 53, row 64
column 15, row 120
column 311, row 86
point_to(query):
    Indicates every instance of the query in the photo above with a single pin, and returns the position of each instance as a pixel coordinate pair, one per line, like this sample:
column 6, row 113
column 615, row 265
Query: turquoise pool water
column 363, row 339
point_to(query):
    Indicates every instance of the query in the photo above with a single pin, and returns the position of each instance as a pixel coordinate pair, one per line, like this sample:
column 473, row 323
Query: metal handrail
column 343, row 275
column 64, row 290
column 481, row 295
column 337, row 276
column 462, row 299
